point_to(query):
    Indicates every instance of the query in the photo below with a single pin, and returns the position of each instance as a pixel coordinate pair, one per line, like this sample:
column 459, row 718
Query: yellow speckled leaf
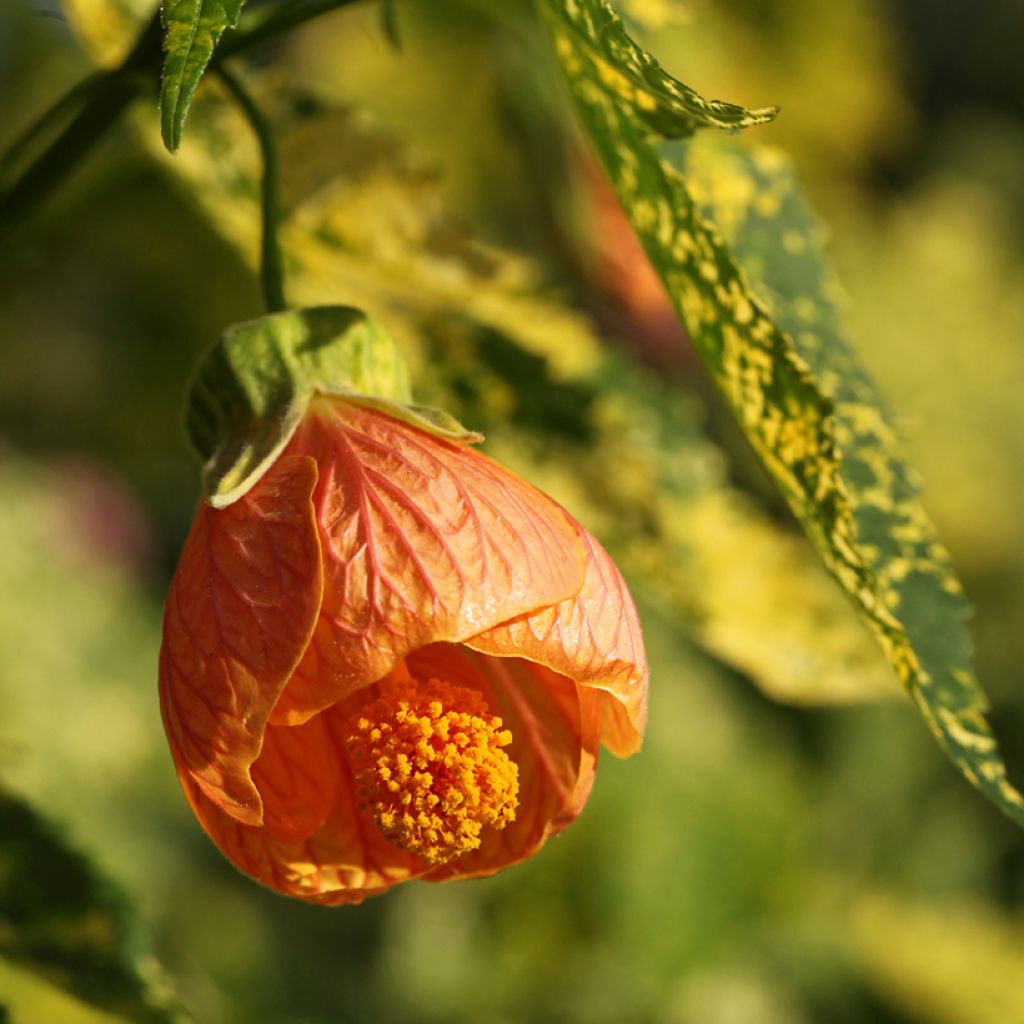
column 598, row 54
column 776, row 352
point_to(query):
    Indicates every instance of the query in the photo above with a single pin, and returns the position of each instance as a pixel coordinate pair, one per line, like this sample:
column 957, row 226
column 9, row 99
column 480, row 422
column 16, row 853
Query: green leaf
column 793, row 383
column 597, row 52
column 61, row 919
column 192, row 29
column 252, row 388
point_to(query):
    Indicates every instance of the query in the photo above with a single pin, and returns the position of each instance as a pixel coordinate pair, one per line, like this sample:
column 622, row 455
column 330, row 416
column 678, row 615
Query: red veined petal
column 555, row 726
column 241, row 609
column 345, row 860
column 296, row 774
column 423, row 541
column 593, row 638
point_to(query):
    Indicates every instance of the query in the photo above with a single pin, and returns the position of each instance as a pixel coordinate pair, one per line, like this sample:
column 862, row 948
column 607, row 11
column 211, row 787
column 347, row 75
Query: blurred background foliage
column 761, row 861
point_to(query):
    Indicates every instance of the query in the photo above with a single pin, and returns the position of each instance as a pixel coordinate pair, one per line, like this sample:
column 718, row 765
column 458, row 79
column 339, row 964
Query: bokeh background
column 791, row 846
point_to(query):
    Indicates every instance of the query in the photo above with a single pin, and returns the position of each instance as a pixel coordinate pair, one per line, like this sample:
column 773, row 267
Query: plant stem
column 293, row 14
column 78, row 93
column 106, row 99
column 271, row 266
column 107, row 95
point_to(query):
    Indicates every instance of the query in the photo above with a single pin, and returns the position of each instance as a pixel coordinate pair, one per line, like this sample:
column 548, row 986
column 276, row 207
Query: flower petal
column 555, row 728
column 295, row 774
column 241, row 609
column 555, row 737
column 423, row 541
column 593, row 638
column 345, row 860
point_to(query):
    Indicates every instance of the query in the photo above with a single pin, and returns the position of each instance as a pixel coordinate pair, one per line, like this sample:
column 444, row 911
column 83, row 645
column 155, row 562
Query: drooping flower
column 390, row 658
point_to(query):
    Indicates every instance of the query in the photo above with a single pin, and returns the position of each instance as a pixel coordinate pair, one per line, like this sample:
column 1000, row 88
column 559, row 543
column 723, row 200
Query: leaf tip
column 172, row 117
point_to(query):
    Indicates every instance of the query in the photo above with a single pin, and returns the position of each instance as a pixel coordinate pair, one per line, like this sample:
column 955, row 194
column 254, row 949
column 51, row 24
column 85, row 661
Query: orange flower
column 392, row 659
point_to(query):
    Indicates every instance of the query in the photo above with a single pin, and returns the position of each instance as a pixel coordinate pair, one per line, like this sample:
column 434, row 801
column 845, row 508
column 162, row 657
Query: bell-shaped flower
column 385, row 656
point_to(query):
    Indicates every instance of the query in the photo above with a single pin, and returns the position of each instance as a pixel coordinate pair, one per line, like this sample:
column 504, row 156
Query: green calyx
column 252, row 388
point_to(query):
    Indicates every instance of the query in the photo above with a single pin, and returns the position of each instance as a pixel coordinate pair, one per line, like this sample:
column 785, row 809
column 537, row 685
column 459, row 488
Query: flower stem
column 271, row 266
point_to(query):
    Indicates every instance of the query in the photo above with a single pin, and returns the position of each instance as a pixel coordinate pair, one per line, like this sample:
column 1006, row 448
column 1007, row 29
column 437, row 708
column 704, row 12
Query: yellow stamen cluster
column 429, row 765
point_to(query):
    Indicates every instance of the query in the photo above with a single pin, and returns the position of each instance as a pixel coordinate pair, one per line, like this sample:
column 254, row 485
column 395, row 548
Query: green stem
column 107, row 98
column 293, row 14
column 271, row 266
column 109, row 94
column 77, row 94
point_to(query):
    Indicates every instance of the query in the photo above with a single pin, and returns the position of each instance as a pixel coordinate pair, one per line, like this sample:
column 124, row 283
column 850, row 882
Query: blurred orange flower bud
column 389, row 659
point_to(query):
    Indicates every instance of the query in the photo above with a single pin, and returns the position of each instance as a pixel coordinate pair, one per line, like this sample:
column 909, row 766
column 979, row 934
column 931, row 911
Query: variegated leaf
column 796, row 387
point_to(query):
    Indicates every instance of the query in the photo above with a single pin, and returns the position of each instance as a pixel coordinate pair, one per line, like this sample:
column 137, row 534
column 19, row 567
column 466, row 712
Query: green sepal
column 252, row 388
